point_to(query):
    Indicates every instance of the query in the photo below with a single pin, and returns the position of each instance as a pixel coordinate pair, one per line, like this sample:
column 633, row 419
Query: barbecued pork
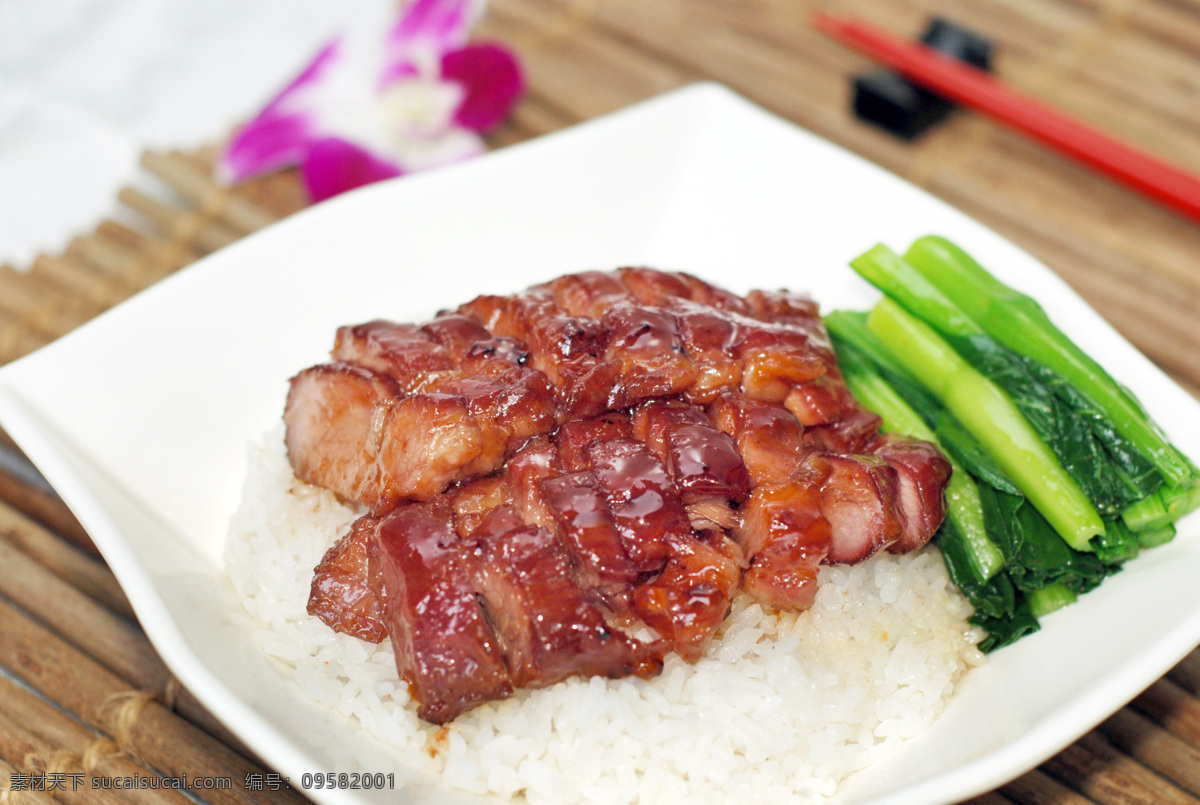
column 341, row 594
column 787, row 537
column 445, row 649
column 550, row 570
column 405, row 411
column 579, row 478
column 922, row 473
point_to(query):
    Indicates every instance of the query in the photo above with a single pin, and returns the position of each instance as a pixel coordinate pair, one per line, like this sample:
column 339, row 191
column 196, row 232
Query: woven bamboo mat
column 83, row 693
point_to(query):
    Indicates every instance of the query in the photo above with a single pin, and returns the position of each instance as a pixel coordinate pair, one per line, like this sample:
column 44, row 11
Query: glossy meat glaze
column 578, row 479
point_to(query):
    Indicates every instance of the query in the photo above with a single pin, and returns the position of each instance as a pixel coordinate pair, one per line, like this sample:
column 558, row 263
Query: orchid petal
column 265, row 145
column 279, row 136
column 374, row 109
column 316, row 71
column 431, row 26
column 491, row 79
column 397, row 71
column 334, row 166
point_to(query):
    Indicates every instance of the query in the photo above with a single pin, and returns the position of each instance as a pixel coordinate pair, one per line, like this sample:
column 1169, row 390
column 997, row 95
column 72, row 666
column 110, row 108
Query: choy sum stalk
column 1019, row 322
column 991, row 417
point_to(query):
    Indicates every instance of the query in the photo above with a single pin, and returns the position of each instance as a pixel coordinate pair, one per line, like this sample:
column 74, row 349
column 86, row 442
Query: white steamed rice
column 781, row 708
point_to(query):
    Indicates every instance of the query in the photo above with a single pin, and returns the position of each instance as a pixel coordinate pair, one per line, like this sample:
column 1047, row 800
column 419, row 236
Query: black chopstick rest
column 894, row 103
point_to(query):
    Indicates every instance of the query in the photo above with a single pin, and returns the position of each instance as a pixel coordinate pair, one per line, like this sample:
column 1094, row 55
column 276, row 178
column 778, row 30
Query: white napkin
column 86, row 85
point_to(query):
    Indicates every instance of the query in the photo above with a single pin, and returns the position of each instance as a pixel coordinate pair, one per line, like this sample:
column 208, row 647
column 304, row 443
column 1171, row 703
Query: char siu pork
column 580, row 478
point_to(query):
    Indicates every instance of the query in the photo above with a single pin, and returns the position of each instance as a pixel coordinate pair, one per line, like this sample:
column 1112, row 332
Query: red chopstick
column 974, row 88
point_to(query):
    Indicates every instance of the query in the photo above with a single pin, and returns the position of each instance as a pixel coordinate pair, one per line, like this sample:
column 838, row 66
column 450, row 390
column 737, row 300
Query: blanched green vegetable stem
column 991, row 417
column 1018, row 322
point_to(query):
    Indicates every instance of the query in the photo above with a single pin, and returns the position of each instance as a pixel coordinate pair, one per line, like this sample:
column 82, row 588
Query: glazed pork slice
column 547, row 626
column 702, row 460
column 764, row 360
column 405, row 411
column 839, row 509
column 475, row 606
column 643, row 502
column 445, row 648
column 341, row 594
column 683, row 581
column 860, row 498
column 574, row 439
column 508, row 406
column 404, row 352
column 646, row 348
column 521, row 479
column 470, row 387
column 563, row 567
column 922, row 472
column 624, row 354
column 579, row 506
column 507, row 400
column 335, row 415
column 638, row 353
column 351, row 431
column 782, row 530
column 691, row 597
column 787, row 538
column 611, row 340
column 764, row 344
column 410, row 353
column 768, row 436
column 654, row 485
column 587, row 530
column 837, row 492
column 467, row 389
column 566, row 348
column 476, row 601
column 651, row 286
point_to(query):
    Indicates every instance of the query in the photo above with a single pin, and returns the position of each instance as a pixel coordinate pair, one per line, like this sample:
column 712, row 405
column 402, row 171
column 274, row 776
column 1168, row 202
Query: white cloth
column 86, row 85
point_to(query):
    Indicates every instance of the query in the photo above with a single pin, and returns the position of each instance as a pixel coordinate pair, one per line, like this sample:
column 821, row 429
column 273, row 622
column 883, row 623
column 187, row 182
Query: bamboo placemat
column 83, row 693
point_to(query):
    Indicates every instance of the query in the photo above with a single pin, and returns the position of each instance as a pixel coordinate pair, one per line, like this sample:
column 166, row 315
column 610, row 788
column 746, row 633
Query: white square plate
column 141, row 418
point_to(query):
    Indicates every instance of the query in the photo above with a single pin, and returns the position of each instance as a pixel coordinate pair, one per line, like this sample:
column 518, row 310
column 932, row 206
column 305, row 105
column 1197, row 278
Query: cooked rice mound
column 780, row 709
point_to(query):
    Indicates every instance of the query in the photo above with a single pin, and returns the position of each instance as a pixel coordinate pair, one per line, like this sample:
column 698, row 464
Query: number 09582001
column 349, row 780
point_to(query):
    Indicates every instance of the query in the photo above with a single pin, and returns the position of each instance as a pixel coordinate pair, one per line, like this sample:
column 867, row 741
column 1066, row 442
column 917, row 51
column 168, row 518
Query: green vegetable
column 1018, row 322
column 1110, row 470
column 1010, row 627
column 966, row 451
column 851, row 328
column 1067, row 473
column 988, row 414
column 993, row 597
column 1117, row 545
column 1166, row 506
column 901, row 282
column 1008, row 592
column 1048, row 599
column 1153, row 537
column 1035, row 555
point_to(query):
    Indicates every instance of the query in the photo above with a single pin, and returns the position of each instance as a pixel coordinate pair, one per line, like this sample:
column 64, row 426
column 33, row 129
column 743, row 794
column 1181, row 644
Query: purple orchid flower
column 365, row 111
